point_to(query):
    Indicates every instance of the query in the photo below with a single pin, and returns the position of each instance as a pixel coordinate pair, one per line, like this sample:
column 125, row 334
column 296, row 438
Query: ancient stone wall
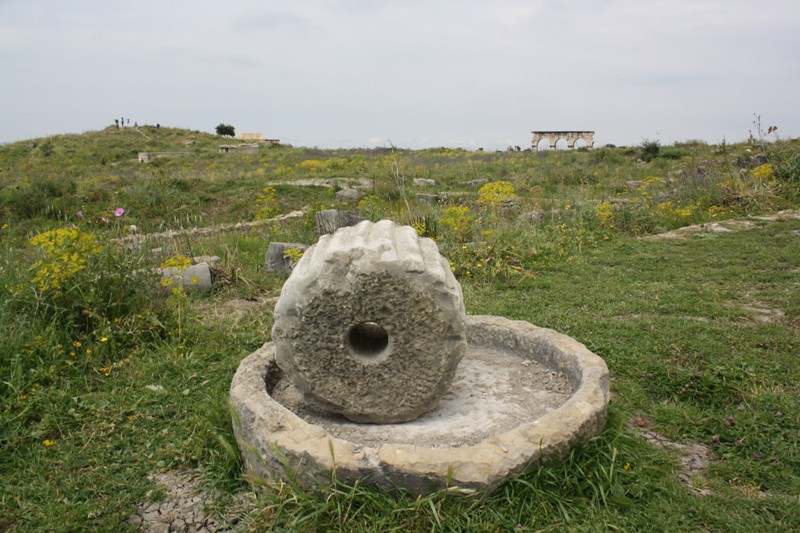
column 146, row 157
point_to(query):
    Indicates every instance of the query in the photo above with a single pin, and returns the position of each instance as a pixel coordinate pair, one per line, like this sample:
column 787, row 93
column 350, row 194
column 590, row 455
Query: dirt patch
column 245, row 305
column 694, row 457
column 235, row 311
column 760, row 311
column 185, row 507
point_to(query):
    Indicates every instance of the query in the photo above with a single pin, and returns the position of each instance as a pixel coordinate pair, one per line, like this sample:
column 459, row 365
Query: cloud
column 327, row 72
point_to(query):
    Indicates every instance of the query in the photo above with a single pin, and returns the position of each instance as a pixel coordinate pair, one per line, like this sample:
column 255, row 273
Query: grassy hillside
column 106, row 381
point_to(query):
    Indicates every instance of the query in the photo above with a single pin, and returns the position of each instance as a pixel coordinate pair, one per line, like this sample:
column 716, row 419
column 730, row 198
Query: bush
column 458, row 220
column 495, row 193
column 84, row 285
column 39, row 197
column 650, row 149
column 784, row 166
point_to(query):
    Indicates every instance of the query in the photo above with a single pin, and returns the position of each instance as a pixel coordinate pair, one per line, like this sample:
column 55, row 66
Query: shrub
column 39, row 197
column 267, row 204
column 426, row 226
column 605, row 214
column 650, row 149
column 458, row 220
column 495, row 193
column 784, row 162
column 85, row 285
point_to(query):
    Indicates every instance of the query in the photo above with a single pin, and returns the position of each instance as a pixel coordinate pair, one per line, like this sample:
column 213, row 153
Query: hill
column 114, row 381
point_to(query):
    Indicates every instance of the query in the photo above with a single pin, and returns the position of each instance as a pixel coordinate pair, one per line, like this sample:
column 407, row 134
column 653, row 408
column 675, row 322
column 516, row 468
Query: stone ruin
column 376, row 373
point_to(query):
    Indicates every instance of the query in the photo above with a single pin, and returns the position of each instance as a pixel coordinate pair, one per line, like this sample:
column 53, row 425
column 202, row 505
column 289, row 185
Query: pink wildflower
column 715, row 438
column 79, row 214
column 118, row 212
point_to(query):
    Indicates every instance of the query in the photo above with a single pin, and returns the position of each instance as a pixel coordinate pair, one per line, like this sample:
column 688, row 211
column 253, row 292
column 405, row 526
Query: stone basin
column 521, row 395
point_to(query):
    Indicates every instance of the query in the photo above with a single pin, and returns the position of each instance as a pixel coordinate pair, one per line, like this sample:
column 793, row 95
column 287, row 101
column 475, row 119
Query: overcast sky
column 413, row 73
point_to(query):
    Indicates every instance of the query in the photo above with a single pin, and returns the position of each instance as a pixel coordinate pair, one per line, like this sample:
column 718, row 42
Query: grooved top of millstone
column 380, row 244
column 370, row 324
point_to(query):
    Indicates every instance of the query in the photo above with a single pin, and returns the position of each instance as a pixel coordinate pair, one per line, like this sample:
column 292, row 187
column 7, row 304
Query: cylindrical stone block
column 370, row 324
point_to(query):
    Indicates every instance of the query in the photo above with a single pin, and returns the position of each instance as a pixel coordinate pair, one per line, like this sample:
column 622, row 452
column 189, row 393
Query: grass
column 700, row 335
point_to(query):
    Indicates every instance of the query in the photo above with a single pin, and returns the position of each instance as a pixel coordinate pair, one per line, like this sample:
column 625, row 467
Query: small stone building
column 239, row 148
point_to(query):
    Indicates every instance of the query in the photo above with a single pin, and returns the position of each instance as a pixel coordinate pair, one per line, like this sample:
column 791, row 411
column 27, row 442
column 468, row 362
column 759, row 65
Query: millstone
column 370, row 324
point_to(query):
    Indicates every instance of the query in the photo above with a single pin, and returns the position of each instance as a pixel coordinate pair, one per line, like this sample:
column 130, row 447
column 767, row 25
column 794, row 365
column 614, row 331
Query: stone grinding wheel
column 370, row 324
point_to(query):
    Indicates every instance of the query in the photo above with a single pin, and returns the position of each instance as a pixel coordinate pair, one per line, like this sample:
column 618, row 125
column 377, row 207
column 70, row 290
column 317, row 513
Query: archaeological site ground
column 141, row 266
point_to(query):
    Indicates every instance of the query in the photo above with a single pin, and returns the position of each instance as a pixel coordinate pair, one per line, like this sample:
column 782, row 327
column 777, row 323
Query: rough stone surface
column 431, row 199
column 210, row 260
column 330, row 220
column 276, row 259
column 349, row 196
column 725, row 226
column 195, row 278
column 371, row 323
column 486, row 430
column 423, row 182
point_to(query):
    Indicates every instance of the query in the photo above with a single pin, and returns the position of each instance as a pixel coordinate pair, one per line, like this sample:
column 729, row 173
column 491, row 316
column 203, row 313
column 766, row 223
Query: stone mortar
column 510, row 431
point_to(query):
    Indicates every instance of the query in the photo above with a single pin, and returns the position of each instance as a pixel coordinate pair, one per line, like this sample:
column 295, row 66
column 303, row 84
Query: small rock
column 195, row 278
column 329, row 220
column 431, row 199
column 349, row 196
column 276, row 259
column 210, row 260
column 422, row 182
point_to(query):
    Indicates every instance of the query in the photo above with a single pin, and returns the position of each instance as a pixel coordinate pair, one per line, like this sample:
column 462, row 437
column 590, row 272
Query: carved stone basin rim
column 276, row 443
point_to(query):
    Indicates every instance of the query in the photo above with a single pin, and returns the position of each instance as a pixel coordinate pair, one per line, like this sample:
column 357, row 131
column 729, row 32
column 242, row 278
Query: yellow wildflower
column 48, row 442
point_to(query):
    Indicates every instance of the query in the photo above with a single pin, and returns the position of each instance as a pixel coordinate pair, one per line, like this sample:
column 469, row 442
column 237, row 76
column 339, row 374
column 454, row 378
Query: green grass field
column 105, row 383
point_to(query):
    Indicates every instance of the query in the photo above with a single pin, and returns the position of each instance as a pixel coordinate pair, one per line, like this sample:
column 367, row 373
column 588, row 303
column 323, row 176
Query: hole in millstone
column 367, row 339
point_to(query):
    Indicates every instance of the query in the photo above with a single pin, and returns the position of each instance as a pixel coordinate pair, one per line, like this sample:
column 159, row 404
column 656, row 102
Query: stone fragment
column 422, row 182
column 195, row 278
column 277, row 260
column 349, row 196
column 532, row 217
column 370, row 324
column 431, row 199
column 210, row 260
column 330, row 220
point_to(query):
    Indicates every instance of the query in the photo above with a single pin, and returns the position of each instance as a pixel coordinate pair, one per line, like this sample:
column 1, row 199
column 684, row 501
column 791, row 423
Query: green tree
column 225, row 130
